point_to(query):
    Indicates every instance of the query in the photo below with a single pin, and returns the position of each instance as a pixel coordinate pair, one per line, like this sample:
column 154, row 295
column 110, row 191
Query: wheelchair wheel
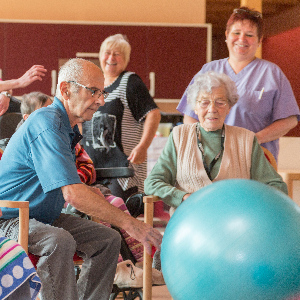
column 133, row 294
column 127, row 293
column 135, row 204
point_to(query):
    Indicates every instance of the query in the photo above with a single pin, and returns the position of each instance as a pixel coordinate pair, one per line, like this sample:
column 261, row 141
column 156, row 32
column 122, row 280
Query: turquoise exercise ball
column 235, row 239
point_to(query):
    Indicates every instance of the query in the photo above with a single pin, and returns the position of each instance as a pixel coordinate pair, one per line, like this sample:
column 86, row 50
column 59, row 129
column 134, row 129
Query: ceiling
column 218, row 11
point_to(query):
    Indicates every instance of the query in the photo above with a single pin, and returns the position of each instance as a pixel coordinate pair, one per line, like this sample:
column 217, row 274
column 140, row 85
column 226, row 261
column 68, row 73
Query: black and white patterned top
column 117, row 127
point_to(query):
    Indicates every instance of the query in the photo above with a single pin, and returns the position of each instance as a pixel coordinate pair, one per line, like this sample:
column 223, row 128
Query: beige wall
column 153, row 11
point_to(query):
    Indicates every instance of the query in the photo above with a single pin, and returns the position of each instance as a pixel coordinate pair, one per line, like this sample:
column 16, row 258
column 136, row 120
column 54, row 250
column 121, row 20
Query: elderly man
column 38, row 166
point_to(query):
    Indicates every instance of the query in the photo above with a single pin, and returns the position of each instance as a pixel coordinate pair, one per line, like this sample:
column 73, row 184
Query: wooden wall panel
column 174, row 53
column 175, row 57
column 283, row 49
column 29, row 44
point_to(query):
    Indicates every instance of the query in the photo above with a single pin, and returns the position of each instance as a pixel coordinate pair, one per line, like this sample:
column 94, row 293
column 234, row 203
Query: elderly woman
column 267, row 105
column 201, row 153
column 122, row 130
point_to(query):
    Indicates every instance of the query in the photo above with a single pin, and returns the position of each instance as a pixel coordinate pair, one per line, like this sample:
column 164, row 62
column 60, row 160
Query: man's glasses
column 97, row 93
column 255, row 14
column 217, row 103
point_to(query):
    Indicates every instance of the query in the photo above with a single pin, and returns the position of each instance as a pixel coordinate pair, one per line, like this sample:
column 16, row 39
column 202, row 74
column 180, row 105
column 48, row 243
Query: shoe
column 128, row 275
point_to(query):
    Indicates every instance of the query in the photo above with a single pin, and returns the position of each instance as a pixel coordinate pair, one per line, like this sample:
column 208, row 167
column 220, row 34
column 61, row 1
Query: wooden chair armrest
column 147, row 264
column 23, row 220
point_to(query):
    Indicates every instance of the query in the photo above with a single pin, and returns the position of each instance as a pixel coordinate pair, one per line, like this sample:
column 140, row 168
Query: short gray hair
column 32, row 101
column 117, row 41
column 206, row 81
column 72, row 70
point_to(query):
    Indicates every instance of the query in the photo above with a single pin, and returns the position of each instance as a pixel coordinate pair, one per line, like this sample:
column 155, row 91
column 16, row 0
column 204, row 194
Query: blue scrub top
column 38, row 160
column 252, row 111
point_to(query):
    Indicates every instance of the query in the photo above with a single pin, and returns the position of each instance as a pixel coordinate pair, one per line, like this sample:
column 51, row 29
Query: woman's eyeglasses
column 217, row 103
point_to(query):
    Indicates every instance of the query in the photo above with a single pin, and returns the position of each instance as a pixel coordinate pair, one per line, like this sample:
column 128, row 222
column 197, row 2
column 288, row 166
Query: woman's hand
column 36, row 72
column 4, row 104
column 276, row 130
column 138, row 155
column 185, row 197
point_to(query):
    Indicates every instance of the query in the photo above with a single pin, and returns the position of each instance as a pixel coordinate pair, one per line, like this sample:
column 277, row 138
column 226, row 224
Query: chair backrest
column 23, row 207
column 8, row 124
column 270, row 157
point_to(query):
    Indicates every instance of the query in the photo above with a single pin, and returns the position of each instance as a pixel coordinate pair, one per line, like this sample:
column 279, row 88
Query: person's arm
column 4, row 104
column 277, row 129
column 161, row 181
column 91, row 203
column 262, row 171
column 139, row 153
column 189, row 120
column 36, row 72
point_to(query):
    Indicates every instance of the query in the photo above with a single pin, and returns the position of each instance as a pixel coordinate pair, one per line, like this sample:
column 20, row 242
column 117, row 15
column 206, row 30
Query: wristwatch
column 7, row 94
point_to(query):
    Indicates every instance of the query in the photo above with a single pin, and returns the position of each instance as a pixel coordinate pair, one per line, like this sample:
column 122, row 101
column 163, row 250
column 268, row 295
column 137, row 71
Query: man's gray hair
column 206, row 82
column 72, row 70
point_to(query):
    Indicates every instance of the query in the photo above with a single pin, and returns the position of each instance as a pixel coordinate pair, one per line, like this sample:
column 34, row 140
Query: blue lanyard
column 213, row 162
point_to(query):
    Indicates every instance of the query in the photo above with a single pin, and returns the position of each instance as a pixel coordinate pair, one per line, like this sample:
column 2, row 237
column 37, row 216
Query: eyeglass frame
column 212, row 101
column 103, row 92
column 255, row 14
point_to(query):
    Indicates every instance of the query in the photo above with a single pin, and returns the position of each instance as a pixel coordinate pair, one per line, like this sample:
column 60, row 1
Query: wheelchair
column 135, row 207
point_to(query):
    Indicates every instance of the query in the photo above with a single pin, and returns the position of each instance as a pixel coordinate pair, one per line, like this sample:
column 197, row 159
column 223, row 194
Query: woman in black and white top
column 124, row 127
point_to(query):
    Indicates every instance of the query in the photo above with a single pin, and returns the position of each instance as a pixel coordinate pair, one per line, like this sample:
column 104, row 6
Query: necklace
column 200, row 146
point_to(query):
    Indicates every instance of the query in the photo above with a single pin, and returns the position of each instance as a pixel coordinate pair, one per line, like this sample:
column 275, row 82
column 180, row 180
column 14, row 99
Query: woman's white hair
column 119, row 41
column 72, row 70
column 206, row 82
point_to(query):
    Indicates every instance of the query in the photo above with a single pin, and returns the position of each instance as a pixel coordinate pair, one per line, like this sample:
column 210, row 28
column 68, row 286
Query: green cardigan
column 161, row 181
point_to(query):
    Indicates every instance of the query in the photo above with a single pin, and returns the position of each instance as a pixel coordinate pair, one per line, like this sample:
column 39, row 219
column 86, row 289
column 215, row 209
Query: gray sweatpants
column 98, row 245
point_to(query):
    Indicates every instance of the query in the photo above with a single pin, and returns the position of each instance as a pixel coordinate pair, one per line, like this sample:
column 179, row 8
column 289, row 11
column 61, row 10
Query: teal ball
column 235, row 239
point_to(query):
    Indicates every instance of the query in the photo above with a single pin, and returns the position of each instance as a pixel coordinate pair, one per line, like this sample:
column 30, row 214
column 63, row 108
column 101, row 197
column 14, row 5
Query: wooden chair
column 23, row 207
column 147, row 263
column 270, row 157
column 149, row 201
column 288, row 176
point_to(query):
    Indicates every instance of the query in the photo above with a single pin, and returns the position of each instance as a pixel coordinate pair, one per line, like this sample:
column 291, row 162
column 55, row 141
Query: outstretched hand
column 36, row 72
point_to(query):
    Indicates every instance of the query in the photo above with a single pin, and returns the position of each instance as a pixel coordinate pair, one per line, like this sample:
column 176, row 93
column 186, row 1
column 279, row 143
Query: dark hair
column 251, row 15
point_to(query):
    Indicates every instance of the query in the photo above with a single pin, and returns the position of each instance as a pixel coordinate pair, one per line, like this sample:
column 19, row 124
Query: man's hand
column 95, row 190
column 146, row 234
column 84, row 199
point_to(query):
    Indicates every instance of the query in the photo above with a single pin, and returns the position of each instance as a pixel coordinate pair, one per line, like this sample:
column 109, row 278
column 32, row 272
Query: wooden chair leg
column 147, row 264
